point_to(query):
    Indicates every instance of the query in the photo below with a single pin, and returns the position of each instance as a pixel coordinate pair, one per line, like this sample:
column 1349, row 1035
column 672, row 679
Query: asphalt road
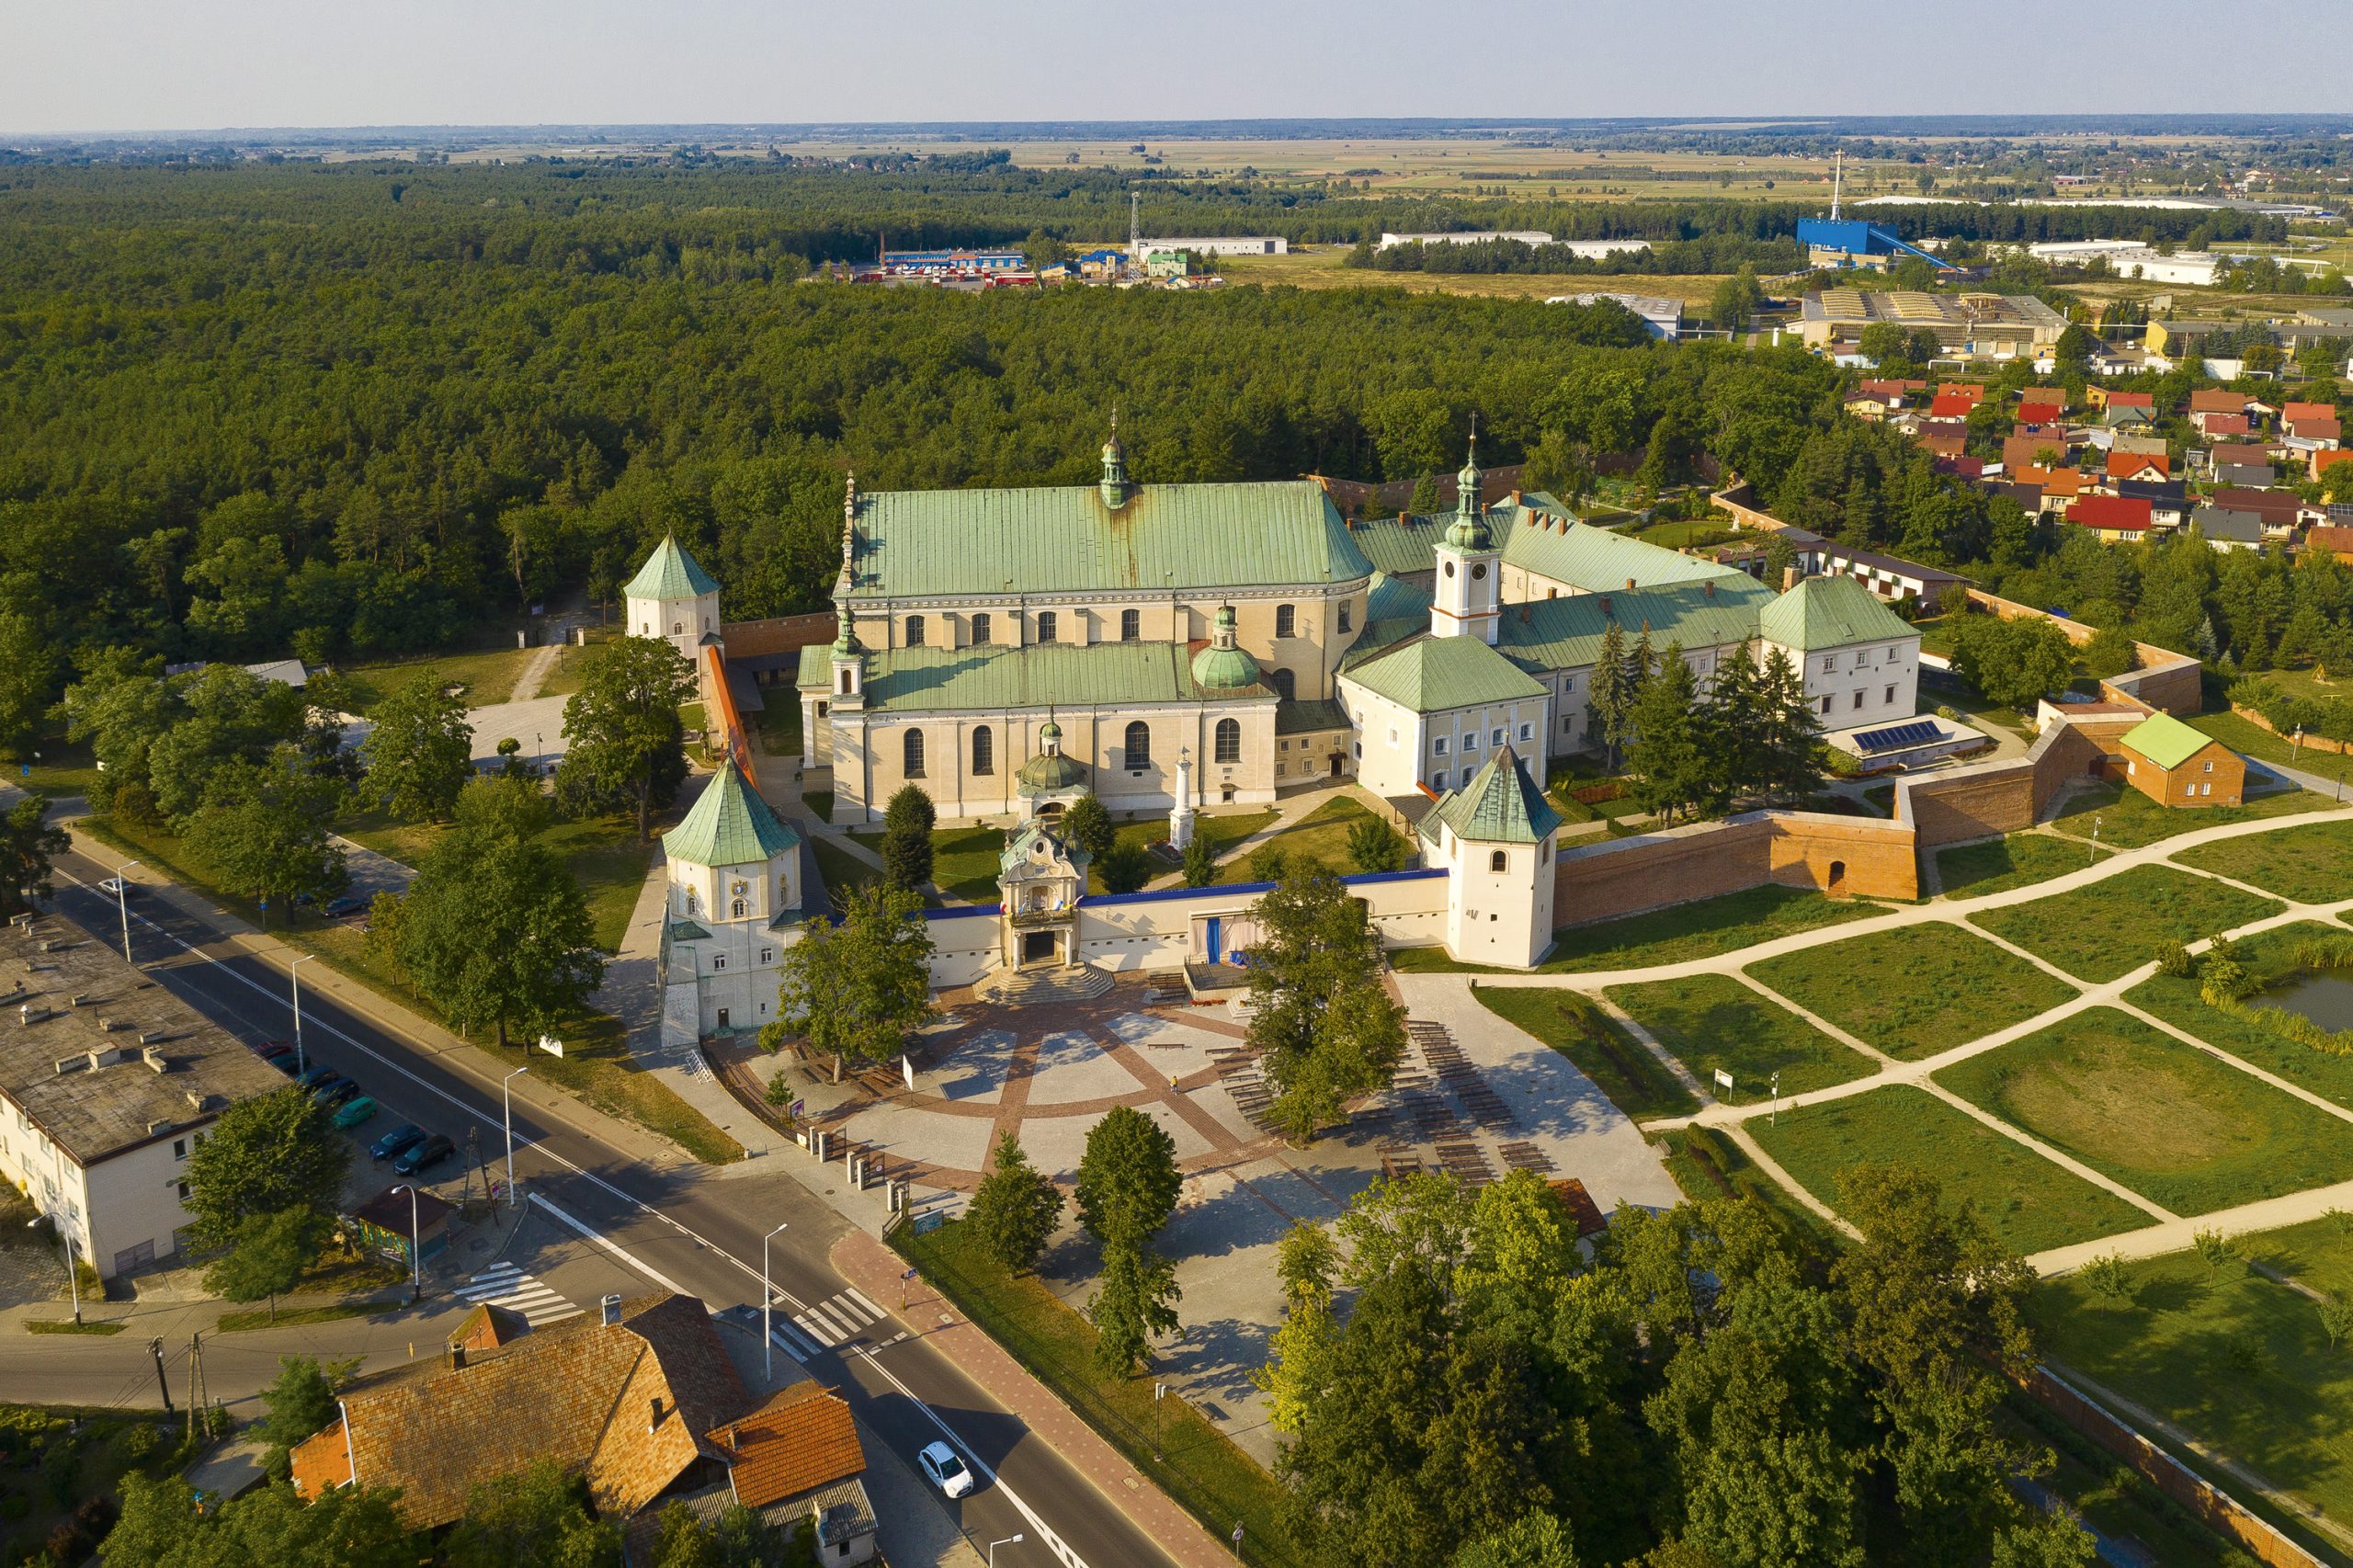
column 694, row 1231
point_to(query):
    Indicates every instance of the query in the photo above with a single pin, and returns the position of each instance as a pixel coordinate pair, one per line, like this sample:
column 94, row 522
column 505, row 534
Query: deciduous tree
column 1087, row 823
column 265, row 829
column 855, row 990
column 495, row 932
column 29, row 844
column 264, row 1155
column 1326, row 1028
column 627, row 742
column 1127, row 1178
column 1016, row 1207
column 420, row 752
column 268, row 1255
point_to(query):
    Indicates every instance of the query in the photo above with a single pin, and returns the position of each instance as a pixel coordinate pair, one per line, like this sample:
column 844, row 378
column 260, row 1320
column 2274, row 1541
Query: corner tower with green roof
column 674, row 598
column 736, row 888
column 1495, row 837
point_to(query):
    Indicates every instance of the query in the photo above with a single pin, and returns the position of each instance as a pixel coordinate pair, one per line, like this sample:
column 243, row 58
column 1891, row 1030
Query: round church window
column 1449, row 568
column 1478, row 571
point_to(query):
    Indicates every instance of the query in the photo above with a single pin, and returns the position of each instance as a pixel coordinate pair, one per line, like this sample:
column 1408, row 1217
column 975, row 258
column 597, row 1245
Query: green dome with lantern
column 1049, row 772
column 1223, row 667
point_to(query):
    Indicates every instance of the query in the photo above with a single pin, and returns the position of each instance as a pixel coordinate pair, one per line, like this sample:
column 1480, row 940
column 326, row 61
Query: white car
column 950, row 1474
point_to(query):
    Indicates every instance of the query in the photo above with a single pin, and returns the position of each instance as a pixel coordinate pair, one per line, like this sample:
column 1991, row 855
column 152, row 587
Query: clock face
column 1478, row 571
column 739, row 889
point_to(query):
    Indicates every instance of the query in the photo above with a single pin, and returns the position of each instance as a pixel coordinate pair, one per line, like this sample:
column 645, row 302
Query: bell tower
column 1466, row 597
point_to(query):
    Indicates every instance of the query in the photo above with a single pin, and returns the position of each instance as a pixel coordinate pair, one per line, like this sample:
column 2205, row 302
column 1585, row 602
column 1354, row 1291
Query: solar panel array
column 1898, row 737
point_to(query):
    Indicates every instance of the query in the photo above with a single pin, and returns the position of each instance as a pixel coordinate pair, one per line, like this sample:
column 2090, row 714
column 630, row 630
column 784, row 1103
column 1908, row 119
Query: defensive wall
column 1834, row 854
column 2166, row 681
column 2009, row 795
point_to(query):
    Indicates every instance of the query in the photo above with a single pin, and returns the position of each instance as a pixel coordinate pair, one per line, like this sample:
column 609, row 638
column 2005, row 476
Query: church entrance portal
column 1039, row 947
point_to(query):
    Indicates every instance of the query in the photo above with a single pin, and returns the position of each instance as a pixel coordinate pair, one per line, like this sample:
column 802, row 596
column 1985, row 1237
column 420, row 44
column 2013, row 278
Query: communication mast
column 1837, row 168
column 1135, row 225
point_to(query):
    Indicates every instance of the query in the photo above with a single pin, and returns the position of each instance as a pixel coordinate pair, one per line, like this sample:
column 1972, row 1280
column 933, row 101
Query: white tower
column 1466, row 600
column 673, row 598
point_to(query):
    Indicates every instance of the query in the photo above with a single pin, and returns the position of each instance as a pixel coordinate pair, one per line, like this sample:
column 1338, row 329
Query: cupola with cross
column 1466, row 598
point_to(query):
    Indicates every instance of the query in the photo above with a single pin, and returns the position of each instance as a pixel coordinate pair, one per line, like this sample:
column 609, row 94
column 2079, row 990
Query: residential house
column 1962, row 467
column 2223, row 426
column 2239, row 455
column 1956, row 401
column 1943, row 438
column 2058, row 487
column 2118, row 360
column 2114, row 520
column 2137, row 465
column 2127, row 417
column 2167, row 498
column 1868, row 405
column 2293, row 410
column 2102, row 398
column 1896, row 391
column 2032, row 414
column 2277, row 509
column 2208, row 403
column 2124, row 441
column 795, row 1459
column 2176, row 765
column 1887, row 577
column 2227, row 529
column 2313, row 433
column 2327, row 457
column 2020, row 452
column 2334, row 537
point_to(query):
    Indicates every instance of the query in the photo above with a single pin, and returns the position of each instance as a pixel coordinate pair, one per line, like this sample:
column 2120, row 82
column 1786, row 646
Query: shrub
column 2174, row 959
column 1126, row 868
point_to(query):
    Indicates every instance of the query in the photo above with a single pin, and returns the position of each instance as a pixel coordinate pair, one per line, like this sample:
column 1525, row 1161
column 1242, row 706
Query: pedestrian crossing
column 503, row 1285
column 835, row 1320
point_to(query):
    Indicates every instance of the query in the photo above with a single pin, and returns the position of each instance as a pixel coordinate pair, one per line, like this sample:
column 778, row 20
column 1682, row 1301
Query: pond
column 2325, row 996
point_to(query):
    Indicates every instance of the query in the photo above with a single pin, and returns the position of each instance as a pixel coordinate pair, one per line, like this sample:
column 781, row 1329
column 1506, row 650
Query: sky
column 129, row 65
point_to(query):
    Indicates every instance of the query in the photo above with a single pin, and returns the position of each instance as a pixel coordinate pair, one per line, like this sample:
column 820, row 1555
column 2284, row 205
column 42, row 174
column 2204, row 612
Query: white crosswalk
column 503, row 1285
column 839, row 1319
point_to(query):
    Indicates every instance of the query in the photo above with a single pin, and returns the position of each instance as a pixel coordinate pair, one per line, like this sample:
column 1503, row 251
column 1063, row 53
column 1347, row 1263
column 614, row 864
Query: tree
column 1887, row 346
column 1790, row 733
column 1126, row 868
column 1374, row 845
column 2336, row 1320
column 1325, row 1028
column 1610, row 698
column 1016, row 1207
column 854, row 990
column 1736, row 298
column 219, row 718
column 343, row 1527
column 29, row 667
column 628, row 745
column 2015, row 663
column 268, row 1257
column 264, row 1155
column 1425, row 499
column 1088, row 825
column 495, row 932
column 1201, row 861
column 299, row 1400
column 537, row 1517
column 1533, row 1540
column 420, row 752
column 264, row 828
column 2110, row 1280
column 1127, row 1178
column 29, row 844
column 1135, row 1298
column 737, row 1539
column 1560, row 468
column 907, row 837
column 1668, row 757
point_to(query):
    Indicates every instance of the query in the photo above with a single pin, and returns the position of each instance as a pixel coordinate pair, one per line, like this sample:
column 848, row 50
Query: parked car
column 358, row 1111
column 271, row 1050
column 317, row 1077
column 950, row 1474
column 334, row 1091
column 117, row 888
column 424, row 1156
column 346, row 904
column 285, row 1062
column 396, row 1142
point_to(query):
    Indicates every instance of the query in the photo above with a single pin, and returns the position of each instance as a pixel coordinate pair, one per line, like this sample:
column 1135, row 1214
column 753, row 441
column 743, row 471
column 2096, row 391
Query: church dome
column 1049, row 772
column 1223, row 667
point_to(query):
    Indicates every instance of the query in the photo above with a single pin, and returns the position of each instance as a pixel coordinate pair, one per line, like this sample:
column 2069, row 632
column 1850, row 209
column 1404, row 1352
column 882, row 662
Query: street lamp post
column 768, row 1340
column 506, row 1102
column 2095, row 854
column 1013, row 1539
column 122, row 905
column 415, row 1246
column 65, row 1240
column 294, row 972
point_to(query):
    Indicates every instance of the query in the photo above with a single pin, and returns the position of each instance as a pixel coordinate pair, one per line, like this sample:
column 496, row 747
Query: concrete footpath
column 874, row 1268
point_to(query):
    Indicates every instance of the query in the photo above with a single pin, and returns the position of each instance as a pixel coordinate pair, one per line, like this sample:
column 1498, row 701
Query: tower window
column 845, row 683
column 677, row 628
column 1286, row 621
column 1045, row 626
column 1131, row 625
column 984, row 749
column 911, row 754
column 1138, row 745
column 1498, row 861
column 914, row 632
column 739, row 909
column 1344, row 623
column 1229, row 740
column 980, row 628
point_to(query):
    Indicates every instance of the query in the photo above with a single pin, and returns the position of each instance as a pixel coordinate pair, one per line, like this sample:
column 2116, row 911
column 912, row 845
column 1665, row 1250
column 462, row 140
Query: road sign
column 551, row 1045
column 1724, row 1080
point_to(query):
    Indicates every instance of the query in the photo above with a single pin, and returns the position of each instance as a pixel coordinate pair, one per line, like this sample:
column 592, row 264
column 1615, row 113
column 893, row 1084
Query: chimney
column 1629, row 585
column 1709, row 588
column 456, row 1355
column 1788, row 578
column 654, row 1421
column 1605, row 604
column 612, row 1309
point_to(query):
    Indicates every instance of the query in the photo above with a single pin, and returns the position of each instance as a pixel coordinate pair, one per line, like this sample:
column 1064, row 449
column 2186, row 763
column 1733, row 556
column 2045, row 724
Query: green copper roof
column 669, row 573
column 1394, row 598
column 1501, row 805
column 730, row 825
column 1830, row 612
column 1595, row 559
column 1222, row 666
column 995, row 679
column 1400, row 545
column 1163, row 537
column 1566, row 633
column 2166, row 741
column 1024, row 843
column 1439, row 673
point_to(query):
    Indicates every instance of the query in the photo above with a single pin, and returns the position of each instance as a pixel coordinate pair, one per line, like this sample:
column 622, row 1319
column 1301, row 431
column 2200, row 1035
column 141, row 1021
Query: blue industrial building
column 1852, row 241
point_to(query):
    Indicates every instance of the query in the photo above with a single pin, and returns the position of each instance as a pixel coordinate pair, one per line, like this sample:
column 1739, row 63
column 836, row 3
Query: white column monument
column 1180, row 815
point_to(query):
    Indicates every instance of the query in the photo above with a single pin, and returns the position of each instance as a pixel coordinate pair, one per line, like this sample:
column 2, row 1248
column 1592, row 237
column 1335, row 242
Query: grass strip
column 1575, row 1025
column 67, row 1326
column 2113, row 927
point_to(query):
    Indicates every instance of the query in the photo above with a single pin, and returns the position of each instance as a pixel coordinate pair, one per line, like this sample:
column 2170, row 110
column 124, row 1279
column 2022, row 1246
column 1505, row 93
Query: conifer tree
column 1666, row 757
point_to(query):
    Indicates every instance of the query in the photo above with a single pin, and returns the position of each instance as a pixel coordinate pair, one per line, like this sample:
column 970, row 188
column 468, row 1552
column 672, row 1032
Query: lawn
column 844, row 872
column 963, row 860
column 245, row 1321
column 1573, row 1025
column 2257, row 742
column 2111, row 928
column 2165, row 1119
column 603, row 852
column 2311, row 864
column 488, row 676
column 597, row 1064
column 1697, row 930
column 1997, row 865
column 2127, row 819
column 2239, row 1361
column 1931, row 987
column 55, row 766
column 1712, row 1022
column 1166, row 1440
column 2031, row 1203
column 1317, row 841
column 2268, row 957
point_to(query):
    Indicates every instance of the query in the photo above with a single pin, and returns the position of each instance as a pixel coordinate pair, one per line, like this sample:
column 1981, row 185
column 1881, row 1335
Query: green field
column 963, row 860
column 1931, row 987
column 844, row 872
column 2106, row 931
column 1574, row 1024
column 2256, row 741
column 1687, row 931
column 2310, row 864
column 1997, row 865
column 488, row 676
column 2268, row 957
column 2127, row 819
column 2164, row 1119
column 1317, row 841
column 1713, row 1021
column 2031, row 1203
column 2239, row 1361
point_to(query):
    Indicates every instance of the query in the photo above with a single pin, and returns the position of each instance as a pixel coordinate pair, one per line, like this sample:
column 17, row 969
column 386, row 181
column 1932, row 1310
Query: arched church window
column 1139, row 747
column 1229, row 740
column 984, row 749
column 1286, row 621
column 1045, row 626
column 677, row 628
column 739, row 909
column 1498, row 861
column 1283, row 681
column 911, row 754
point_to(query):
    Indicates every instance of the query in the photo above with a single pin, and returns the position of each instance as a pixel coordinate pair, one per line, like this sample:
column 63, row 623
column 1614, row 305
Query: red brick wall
column 781, row 635
column 1602, row 881
column 1999, row 796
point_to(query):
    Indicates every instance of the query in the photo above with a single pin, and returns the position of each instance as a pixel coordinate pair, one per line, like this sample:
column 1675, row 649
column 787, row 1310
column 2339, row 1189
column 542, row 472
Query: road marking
column 793, row 1342
column 840, row 1321
column 844, row 1307
column 503, row 1285
column 1053, row 1542
column 854, row 1294
column 825, row 1336
column 615, row 1248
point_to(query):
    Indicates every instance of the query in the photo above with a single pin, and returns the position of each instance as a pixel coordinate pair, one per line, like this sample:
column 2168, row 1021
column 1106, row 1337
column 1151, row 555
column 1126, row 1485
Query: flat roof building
column 106, row 1084
column 1662, row 316
column 1974, row 326
column 1465, row 237
column 1221, row 244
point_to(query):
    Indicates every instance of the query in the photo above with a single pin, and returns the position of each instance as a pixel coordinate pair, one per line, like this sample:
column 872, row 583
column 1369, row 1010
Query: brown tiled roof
column 2226, row 425
column 2129, row 463
column 581, row 1392
column 2294, row 410
column 802, row 1439
column 2241, row 454
column 2217, row 399
column 2273, row 505
column 321, row 1462
column 490, row 1326
column 2132, row 400
column 2328, row 536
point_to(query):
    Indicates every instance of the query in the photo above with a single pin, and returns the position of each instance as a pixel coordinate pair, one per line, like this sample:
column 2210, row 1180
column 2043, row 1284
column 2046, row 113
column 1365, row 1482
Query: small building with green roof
column 738, row 885
column 1862, row 660
column 674, row 598
column 1493, row 837
column 2175, row 764
column 1432, row 710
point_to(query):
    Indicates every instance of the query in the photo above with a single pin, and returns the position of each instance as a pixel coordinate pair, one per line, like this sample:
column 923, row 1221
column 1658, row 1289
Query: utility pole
column 195, row 1372
column 1135, row 226
column 163, row 1384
